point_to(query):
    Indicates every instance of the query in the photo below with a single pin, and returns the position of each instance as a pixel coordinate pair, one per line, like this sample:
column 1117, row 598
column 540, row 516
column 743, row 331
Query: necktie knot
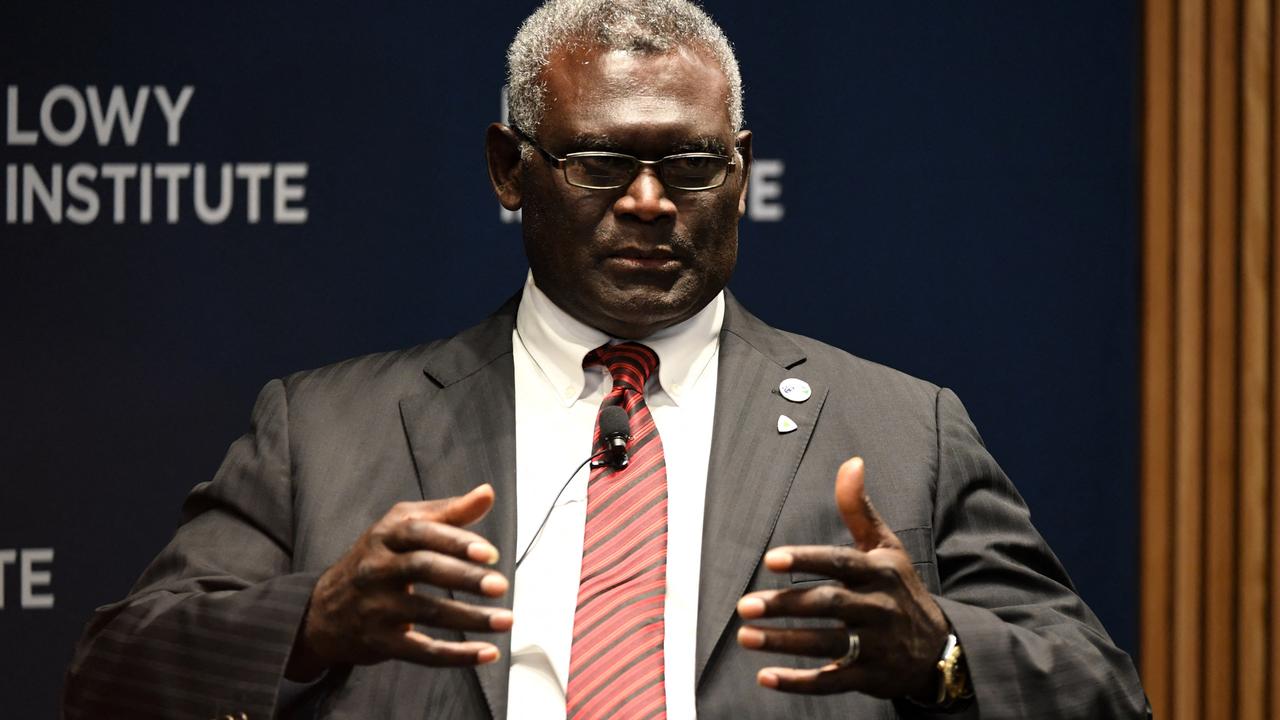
column 630, row 364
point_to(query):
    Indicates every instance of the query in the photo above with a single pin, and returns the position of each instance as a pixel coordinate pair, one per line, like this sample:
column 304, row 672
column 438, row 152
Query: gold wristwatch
column 953, row 685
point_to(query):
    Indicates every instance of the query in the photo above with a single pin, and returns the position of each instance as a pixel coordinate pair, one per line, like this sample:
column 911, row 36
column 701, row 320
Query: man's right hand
column 363, row 609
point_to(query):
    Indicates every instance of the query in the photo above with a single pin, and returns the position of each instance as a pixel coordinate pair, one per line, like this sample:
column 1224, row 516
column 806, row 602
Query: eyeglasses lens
column 599, row 171
column 694, row 173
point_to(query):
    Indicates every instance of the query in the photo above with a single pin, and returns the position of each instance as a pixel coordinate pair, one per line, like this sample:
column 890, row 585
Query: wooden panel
column 1220, row 550
column 1255, row 266
column 1273, row 588
column 1211, row 302
column 1157, row 355
column 1189, row 269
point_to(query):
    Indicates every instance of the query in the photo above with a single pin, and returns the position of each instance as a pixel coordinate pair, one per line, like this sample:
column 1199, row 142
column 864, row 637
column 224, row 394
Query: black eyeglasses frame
column 562, row 164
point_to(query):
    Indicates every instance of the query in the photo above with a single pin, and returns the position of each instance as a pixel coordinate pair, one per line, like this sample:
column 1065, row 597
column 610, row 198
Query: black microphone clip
column 615, row 428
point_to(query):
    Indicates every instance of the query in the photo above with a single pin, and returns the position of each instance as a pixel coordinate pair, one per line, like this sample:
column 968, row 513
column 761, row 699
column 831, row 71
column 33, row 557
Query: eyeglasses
column 610, row 170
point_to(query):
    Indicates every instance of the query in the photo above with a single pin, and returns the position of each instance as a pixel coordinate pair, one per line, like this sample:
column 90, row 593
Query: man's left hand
column 880, row 598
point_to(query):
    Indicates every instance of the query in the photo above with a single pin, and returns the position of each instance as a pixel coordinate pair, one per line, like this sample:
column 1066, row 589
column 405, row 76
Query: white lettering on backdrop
column 29, row 578
column 144, row 192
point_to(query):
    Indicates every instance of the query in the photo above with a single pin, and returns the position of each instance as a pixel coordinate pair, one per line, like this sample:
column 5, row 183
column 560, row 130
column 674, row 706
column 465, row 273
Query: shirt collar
column 557, row 342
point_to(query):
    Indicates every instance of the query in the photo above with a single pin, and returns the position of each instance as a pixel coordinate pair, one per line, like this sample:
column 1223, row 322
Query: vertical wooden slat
column 1157, row 353
column 1254, row 395
column 1273, row 375
column 1189, row 224
column 1218, row 669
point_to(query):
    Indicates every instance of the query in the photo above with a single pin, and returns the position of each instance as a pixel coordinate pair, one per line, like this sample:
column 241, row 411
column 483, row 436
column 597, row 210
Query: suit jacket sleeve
column 1033, row 648
column 207, row 629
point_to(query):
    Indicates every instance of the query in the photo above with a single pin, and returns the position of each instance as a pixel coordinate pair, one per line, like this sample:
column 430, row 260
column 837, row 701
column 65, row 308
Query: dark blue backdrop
column 959, row 193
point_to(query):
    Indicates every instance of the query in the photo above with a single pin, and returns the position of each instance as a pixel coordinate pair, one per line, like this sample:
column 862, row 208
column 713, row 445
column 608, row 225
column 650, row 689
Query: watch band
column 954, row 681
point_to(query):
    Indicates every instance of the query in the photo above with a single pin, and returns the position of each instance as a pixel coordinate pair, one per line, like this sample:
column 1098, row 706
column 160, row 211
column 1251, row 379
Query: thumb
column 465, row 509
column 869, row 531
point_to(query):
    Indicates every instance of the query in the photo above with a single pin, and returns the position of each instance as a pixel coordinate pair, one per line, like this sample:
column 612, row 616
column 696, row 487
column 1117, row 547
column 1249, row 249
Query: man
column 354, row 556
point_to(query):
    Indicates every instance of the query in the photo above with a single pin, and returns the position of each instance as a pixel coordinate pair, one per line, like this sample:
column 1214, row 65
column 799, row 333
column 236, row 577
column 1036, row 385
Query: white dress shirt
column 556, row 406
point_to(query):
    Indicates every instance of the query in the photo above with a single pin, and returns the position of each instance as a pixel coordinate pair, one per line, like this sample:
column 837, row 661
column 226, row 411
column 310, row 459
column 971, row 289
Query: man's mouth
column 648, row 259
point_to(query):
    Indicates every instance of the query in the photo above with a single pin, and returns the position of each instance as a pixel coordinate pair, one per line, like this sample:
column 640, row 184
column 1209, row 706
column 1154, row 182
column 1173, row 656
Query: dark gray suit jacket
column 207, row 629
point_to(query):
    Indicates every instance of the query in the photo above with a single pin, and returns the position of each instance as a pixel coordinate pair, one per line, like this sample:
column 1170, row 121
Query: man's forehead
column 597, row 91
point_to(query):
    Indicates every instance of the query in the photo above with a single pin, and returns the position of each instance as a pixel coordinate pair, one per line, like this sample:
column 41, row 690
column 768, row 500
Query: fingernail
column 487, row 655
column 750, row 607
column 778, row 559
column 750, row 638
column 482, row 552
column 493, row 584
column 767, row 679
column 502, row 620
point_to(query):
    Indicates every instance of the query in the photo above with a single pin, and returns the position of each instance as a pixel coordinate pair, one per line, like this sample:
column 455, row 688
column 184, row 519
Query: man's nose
column 646, row 198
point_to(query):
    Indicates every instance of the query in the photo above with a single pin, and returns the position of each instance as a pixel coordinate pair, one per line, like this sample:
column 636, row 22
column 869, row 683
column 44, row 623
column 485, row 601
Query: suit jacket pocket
column 919, row 545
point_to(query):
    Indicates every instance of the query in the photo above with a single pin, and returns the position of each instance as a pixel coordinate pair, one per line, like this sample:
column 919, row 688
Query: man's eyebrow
column 590, row 142
column 584, row 142
column 709, row 144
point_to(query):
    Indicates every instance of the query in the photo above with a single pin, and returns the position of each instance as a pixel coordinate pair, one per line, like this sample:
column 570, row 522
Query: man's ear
column 502, row 152
column 744, row 150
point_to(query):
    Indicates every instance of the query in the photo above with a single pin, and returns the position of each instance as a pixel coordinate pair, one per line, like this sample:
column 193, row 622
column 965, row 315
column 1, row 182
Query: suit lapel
column 752, row 464
column 462, row 434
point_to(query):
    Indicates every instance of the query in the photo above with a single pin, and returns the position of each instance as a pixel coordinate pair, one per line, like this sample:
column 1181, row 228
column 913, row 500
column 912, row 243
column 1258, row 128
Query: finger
column 851, row 566
column 864, row 523
column 416, row 534
column 819, row 601
column 459, row 510
column 416, row 647
column 811, row 642
column 468, row 508
column 811, row 681
column 443, row 571
column 432, row 611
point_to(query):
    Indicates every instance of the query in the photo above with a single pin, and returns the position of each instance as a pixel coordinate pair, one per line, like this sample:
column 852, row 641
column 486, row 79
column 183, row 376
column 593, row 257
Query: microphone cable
column 551, row 509
column 615, row 430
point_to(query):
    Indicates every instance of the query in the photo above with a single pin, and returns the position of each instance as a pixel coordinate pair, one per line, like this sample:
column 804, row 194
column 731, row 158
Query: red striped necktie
column 616, row 668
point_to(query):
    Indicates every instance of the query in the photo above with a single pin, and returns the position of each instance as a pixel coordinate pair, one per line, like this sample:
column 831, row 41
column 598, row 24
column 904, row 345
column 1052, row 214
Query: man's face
column 642, row 257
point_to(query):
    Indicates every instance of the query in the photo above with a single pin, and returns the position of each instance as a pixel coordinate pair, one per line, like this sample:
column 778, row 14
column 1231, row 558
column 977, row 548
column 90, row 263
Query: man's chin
column 643, row 313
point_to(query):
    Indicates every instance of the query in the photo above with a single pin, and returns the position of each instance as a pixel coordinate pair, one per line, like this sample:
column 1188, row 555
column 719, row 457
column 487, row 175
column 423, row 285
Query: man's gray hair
column 653, row 26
